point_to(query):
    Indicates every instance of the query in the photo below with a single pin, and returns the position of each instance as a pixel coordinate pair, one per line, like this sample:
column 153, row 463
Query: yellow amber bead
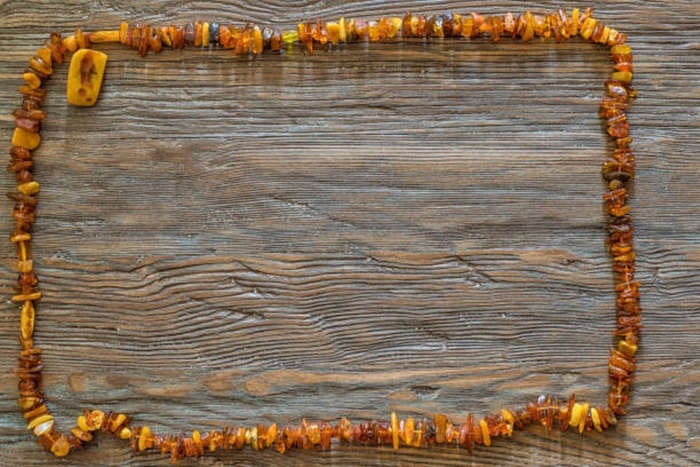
column 123, row 31
column 144, row 438
column 205, row 34
column 575, row 14
column 26, row 139
column 596, row 420
column 29, row 188
column 627, row 348
column 84, row 436
column 290, row 37
column 82, row 423
column 343, row 31
column 197, row 438
column 125, row 433
column 32, row 80
column 119, row 420
column 529, row 32
column 584, row 414
column 39, row 420
column 333, row 32
column 485, row 432
column 621, row 49
column 70, row 43
column 395, row 430
column 587, row 27
column 27, row 320
column 257, row 41
column 45, row 54
column 624, row 76
column 272, row 434
column 252, row 438
column 576, row 415
column 509, row 418
column 104, row 36
column 85, row 75
column 26, row 297
column 25, row 265
column 396, row 24
column 60, row 447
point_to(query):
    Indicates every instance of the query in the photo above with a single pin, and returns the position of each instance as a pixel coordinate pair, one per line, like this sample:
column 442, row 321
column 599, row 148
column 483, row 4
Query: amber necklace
column 84, row 80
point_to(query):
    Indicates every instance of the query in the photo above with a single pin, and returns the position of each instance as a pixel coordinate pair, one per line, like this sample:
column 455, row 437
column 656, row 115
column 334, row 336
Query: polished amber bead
column 627, row 348
column 440, row 427
column 85, row 77
column 624, row 76
column 25, row 138
column 32, row 79
column 105, row 36
column 257, row 43
column 81, row 434
column 485, row 434
column 395, row 439
column 145, row 439
column 588, row 27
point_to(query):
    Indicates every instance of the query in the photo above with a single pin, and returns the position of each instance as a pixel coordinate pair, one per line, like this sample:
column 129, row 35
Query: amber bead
column 26, row 138
column 82, row 435
column 466, row 433
column 85, row 77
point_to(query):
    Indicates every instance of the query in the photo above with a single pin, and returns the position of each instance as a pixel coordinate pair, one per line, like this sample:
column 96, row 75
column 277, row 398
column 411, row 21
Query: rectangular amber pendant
column 85, row 74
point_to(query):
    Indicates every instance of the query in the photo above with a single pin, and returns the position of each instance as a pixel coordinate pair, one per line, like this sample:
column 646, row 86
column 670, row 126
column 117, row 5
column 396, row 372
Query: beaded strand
column 250, row 39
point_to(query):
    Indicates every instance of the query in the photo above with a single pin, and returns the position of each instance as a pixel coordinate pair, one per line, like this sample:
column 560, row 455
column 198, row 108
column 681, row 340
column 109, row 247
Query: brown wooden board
column 411, row 227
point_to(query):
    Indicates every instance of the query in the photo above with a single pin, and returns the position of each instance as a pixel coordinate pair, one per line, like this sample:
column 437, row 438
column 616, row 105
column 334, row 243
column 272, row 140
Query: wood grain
column 411, row 227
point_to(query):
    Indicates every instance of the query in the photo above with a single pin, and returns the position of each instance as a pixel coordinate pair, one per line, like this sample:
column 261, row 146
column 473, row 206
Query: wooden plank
column 389, row 227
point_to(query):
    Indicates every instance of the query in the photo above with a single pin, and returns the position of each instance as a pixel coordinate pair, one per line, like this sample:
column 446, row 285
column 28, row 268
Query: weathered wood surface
column 388, row 227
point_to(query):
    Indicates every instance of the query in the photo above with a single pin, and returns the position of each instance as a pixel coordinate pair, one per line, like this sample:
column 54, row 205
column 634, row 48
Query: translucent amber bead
column 290, row 37
column 588, row 27
column 84, row 436
column 575, row 14
column 85, row 75
column 596, row 420
column 333, row 32
column 485, row 434
column 343, row 30
column 509, row 420
column 70, row 43
column 395, row 430
column 43, row 427
column 621, row 49
column 257, row 47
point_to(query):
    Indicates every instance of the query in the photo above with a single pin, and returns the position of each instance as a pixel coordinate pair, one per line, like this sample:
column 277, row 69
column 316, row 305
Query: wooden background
column 388, row 227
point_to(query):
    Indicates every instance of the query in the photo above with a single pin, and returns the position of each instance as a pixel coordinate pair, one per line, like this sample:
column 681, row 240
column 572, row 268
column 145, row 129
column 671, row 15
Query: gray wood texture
column 383, row 227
